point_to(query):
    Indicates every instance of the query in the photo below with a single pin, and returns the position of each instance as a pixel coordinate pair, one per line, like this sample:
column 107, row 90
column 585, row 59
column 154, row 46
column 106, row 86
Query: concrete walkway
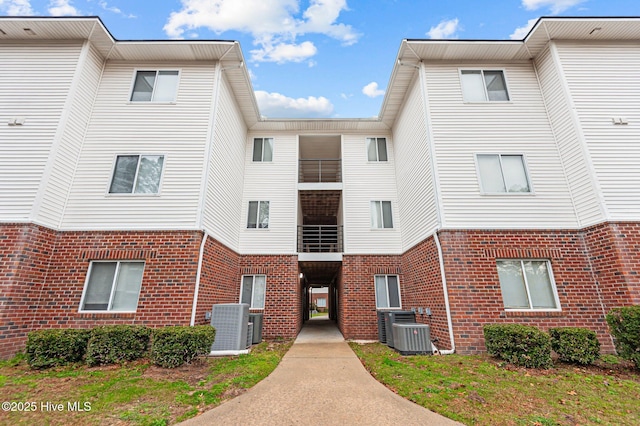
column 320, row 381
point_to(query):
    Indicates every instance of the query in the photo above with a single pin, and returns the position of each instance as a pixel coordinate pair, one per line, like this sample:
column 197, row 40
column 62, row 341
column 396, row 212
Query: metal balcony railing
column 320, row 170
column 320, row 239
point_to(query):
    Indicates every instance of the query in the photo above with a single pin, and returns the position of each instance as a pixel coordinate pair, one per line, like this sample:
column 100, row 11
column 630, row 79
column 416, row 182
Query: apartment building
column 139, row 184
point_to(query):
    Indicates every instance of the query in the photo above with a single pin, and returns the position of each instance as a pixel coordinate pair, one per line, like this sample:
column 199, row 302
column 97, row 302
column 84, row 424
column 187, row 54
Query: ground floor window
column 321, row 302
column 387, row 291
column 252, row 290
column 112, row 286
column 527, row 284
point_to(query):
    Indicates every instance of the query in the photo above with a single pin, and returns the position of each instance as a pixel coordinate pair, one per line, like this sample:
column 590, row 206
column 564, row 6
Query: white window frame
column 525, row 164
column 484, row 86
column 372, row 207
column 552, row 280
column 366, row 147
column 253, row 290
column 135, row 178
column 273, row 146
column 324, row 302
column 257, row 218
column 155, row 82
column 113, row 286
column 386, row 282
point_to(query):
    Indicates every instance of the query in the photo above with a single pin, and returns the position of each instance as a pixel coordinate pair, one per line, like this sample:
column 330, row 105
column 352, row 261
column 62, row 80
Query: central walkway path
column 320, row 381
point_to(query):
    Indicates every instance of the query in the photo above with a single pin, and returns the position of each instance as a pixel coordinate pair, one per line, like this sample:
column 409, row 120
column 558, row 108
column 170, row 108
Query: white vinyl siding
column 520, row 127
column 363, row 182
column 55, row 187
column 253, row 290
column 387, row 292
column 527, row 285
column 35, row 80
column 415, row 190
column 179, row 131
column 275, row 182
column 112, row 286
column 223, row 207
column 574, row 158
column 604, row 83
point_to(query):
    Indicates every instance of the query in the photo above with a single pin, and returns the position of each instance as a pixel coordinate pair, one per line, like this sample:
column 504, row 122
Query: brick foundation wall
column 25, row 250
column 282, row 309
column 615, row 256
column 423, row 288
column 219, row 278
column 357, row 316
column 474, row 287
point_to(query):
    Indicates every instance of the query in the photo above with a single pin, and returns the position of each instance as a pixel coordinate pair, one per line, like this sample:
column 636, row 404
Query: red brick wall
column 219, row 278
column 283, row 309
column 423, row 288
column 474, row 287
column 357, row 316
column 615, row 256
column 24, row 259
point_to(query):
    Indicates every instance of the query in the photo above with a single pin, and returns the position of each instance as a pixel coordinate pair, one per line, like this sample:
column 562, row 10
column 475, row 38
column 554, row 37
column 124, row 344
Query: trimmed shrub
column 48, row 348
column 174, row 346
column 624, row 324
column 575, row 345
column 519, row 344
column 111, row 344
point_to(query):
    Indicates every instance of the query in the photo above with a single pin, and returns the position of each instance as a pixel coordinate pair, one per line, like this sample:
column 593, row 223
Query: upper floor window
column 137, row 174
column 527, row 284
column 483, row 86
column 155, row 86
column 263, row 149
column 377, row 149
column 112, row 286
column 387, row 291
column 258, row 216
column 502, row 173
column 381, row 214
column 252, row 290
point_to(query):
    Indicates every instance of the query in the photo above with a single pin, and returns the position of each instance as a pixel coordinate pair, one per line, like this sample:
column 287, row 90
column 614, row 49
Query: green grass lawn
column 135, row 393
column 480, row 390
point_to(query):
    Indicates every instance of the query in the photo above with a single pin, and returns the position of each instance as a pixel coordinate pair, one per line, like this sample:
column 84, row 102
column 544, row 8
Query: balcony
column 320, row 239
column 320, row 171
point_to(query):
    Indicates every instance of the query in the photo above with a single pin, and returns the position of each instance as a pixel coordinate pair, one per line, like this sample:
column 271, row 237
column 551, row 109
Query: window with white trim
column 527, row 285
column 258, row 215
column 155, row 86
column 262, row 149
column 381, row 216
column 387, row 291
column 112, row 286
column 501, row 173
column 321, row 302
column 252, row 290
column 483, row 86
column 377, row 149
column 137, row 174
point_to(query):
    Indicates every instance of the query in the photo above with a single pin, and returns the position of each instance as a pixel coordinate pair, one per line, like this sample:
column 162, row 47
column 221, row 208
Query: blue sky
column 319, row 58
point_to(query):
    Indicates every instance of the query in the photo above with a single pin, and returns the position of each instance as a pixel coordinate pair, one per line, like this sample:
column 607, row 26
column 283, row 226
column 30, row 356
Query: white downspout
column 446, row 297
column 198, row 274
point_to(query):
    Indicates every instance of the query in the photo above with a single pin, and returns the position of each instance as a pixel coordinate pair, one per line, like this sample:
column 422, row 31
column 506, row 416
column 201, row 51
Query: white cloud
column 284, row 52
column 16, row 7
column 445, row 29
column 277, row 105
column 520, row 32
column 555, row 6
column 62, row 8
column 116, row 10
column 372, row 91
column 274, row 25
